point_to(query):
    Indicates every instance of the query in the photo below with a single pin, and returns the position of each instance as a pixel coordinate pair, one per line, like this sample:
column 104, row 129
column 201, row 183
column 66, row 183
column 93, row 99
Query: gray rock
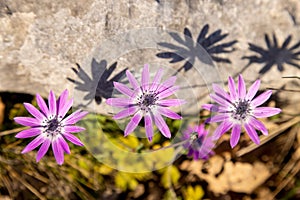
column 41, row 41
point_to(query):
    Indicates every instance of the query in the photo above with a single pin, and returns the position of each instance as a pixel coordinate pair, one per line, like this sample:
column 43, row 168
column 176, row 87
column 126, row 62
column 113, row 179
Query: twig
column 273, row 133
column 291, row 77
column 7, row 184
column 25, row 183
column 287, row 145
column 286, row 90
column 12, row 131
column 36, row 175
column 294, row 169
column 84, row 194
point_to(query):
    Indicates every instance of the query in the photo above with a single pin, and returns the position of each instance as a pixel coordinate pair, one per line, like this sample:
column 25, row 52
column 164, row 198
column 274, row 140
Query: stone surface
column 40, row 41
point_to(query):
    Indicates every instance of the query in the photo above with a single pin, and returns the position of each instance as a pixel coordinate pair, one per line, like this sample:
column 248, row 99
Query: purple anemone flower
column 240, row 109
column 199, row 143
column 50, row 126
column 147, row 100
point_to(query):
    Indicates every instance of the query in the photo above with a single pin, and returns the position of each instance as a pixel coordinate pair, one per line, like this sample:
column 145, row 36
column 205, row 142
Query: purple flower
column 147, row 100
column 199, row 143
column 239, row 109
column 50, row 127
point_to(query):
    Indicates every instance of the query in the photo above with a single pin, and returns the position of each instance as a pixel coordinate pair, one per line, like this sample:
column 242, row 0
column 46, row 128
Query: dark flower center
column 147, row 100
column 52, row 125
column 242, row 110
column 197, row 143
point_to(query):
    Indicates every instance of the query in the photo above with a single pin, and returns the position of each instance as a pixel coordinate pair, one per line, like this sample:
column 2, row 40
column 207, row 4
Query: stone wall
column 41, row 41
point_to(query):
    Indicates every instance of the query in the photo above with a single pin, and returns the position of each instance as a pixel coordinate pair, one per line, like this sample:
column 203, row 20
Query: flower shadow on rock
column 274, row 54
column 99, row 85
column 190, row 48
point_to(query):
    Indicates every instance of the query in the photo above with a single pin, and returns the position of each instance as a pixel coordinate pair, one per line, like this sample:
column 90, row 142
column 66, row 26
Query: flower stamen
column 241, row 110
column 197, row 142
column 53, row 125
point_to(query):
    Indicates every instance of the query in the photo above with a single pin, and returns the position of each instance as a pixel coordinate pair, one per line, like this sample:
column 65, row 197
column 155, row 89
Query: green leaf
column 193, row 193
column 170, row 176
column 130, row 141
column 177, row 124
column 104, row 169
column 126, row 181
column 120, row 181
column 170, row 195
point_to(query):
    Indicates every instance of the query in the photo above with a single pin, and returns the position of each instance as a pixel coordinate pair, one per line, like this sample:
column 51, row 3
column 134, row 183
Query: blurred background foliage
column 111, row 166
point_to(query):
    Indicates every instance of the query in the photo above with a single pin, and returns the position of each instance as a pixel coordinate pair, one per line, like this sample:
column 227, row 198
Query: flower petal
column 201, row 130
column 132, row 80
column 65, row 108
column 232, row 89
column 52, row 103
column 262, row 112
column 34, row 143
column 74, row 117
column 64, row 144
column 29, row 133
column 162, row 126
column 196, row 155
column 258, row 125
column 205, row 150
column 167, row 84
column 58, row 152
column 62, row 100
column 253, row 90
column 171, row 102
column 27, row 121
column 220, row 92
column 41, row 103
column 261, row 98
column 235, row 135
column 149, row 126
column 220, row 100
column 43, row 150
column 241, row 87
column 156, row 79
column 34, row 112
column 145, row 77
column 217, row 118
column 168, row 113
column 72, row 139
column 187, row 132
column 252, row 133
column 123, row 89
column 125, row 113
column 134, row 122
column 191, row 153
column 221, row 129
column 167, row 92
column 73, row 129
column 210, row 107
column 119, row 102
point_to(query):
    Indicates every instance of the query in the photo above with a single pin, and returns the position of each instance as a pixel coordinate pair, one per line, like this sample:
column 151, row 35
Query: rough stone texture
column 40, row 41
